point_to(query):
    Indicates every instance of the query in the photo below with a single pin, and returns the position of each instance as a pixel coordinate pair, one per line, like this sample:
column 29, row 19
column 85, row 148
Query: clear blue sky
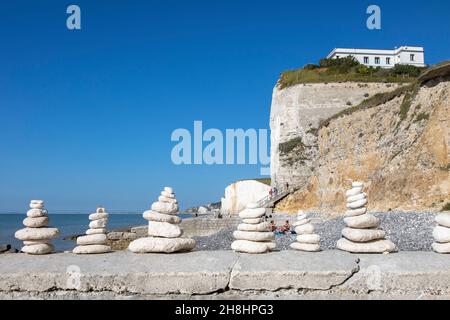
column 86, row 116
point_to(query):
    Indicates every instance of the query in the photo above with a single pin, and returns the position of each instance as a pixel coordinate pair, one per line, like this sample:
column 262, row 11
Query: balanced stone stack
column 253, row 235
column 37, row 235
column 95, row 241
column 362, row 234
column 441, row 233
column 165, row 235
column 307, row 240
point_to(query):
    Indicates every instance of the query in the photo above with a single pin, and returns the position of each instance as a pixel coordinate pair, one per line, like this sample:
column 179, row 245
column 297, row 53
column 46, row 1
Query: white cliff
column 296, row 113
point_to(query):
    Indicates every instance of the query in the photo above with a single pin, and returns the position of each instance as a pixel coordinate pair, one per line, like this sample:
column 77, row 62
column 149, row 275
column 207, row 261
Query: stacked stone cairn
column 307, row 240
column 165, row 236
column 362, row 234
column 37, row 235
column 95, row 241
column 441, row 233
column 253, row 235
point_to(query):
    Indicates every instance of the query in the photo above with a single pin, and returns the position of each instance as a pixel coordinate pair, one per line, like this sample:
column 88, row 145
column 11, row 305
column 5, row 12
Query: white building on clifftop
column 383, row 58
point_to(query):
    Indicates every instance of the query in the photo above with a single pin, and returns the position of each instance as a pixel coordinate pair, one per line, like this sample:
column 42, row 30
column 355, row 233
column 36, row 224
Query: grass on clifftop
column 300, row 76
column 347, row 69
column 407, row 101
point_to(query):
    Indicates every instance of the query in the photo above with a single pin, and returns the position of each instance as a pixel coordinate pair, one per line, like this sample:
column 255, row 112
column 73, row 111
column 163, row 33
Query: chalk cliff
column 241, row 193
column 398, row 142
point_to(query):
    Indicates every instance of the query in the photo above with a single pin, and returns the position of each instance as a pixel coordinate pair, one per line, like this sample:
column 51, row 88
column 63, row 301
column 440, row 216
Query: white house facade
column 383, row 58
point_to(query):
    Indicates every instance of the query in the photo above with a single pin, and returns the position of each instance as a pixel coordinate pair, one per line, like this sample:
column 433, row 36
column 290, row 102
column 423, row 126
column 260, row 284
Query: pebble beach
column 410, row 231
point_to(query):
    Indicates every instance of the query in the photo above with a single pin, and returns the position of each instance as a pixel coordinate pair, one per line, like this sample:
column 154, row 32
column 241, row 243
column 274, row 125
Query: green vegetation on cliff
column 378, row 99
column 410, row 94
column 422, row 116
column 446, row 207
column 347, row 69
column 288, row 146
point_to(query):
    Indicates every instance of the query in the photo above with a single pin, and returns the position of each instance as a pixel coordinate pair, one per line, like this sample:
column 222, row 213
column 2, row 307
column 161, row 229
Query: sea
column 68, row 225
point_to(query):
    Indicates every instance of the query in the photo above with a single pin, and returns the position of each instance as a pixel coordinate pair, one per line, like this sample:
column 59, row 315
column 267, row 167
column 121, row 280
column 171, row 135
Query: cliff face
column 296, row 114
column 401, row 148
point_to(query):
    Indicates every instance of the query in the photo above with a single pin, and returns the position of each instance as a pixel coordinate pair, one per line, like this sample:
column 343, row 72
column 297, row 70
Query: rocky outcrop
column 4, row 247
column 95, row 240
column 210, row 208
column 241, row 193
column 307, row 239
column 399, row 142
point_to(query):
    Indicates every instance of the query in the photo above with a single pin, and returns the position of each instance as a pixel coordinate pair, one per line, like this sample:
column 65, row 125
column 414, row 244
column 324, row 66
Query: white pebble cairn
column 95, row 241
column 253, row 235
column 307, row 239
column 362, row 234
column 37, row 235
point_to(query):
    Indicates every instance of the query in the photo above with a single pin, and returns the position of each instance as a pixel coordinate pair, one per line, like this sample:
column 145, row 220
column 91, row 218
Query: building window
column 337, row 57
column 412, row 57
column 377, row 60
column 366, row 59
column 388, row 60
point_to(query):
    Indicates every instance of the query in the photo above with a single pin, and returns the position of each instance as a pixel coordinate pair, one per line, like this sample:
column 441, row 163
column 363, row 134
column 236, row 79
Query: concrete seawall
column 225, row 274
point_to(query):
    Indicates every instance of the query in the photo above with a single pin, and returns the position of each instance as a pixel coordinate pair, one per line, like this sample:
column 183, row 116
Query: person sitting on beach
column 273, row 226
column 286, row 227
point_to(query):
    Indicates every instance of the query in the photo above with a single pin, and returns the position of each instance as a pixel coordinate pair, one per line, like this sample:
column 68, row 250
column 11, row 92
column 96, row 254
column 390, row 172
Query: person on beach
column 270, row 192
column 285, row 228
column 273, row 226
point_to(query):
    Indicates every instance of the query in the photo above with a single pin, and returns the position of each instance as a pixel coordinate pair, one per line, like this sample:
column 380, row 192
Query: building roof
column 376, row 51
